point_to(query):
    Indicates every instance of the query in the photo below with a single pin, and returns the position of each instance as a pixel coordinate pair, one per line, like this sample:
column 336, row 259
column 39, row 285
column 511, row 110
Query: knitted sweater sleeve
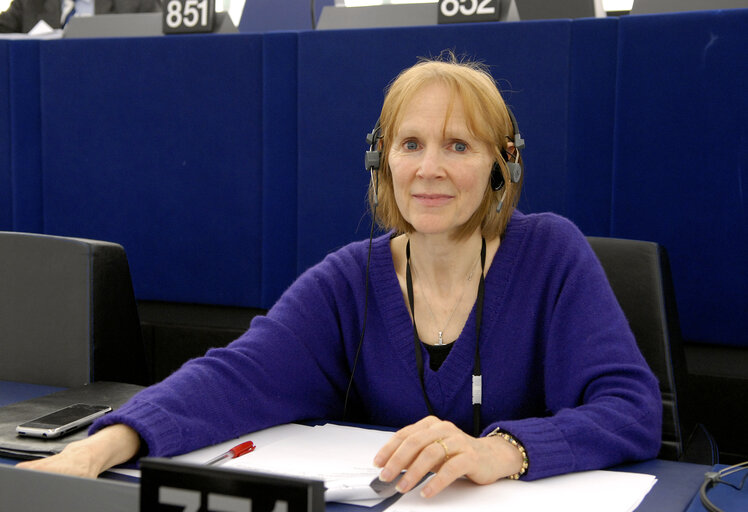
column 290, row 365
column 603, row 405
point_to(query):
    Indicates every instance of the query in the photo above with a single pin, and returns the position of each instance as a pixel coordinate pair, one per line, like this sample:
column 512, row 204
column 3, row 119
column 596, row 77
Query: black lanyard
column 477, row 387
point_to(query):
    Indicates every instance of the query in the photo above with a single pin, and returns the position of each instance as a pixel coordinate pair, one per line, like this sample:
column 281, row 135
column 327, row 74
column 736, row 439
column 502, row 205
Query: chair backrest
column 68, row 314
column 639, row 273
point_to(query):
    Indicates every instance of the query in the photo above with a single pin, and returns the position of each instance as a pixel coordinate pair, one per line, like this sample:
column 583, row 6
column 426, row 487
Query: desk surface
column 677, row 483
column 12, row 392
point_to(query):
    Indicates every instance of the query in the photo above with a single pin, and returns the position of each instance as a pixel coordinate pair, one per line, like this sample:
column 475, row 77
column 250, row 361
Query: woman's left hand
column 433, row 445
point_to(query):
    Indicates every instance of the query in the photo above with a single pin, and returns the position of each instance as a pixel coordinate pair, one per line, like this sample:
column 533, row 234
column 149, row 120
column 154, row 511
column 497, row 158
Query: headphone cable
column 366, row 300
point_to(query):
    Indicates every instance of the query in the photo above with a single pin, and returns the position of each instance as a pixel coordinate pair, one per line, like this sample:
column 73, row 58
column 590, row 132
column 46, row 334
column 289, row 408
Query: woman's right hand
column 91, row 456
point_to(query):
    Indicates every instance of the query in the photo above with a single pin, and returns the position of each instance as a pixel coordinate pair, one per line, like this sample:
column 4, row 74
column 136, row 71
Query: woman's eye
column 460, row 146
column 411, row 145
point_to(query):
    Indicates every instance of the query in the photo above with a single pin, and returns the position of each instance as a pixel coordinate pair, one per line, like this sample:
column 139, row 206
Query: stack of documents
column 342, row 457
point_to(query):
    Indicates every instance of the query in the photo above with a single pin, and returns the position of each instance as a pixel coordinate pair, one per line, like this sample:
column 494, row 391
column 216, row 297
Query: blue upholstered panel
column 591, row 104
column 342, row 75
column 25, row 144
column 681, row 163
column 156, row 143
column 228, row 164
column 6, row 195
column 267, row 15
column 280, row 162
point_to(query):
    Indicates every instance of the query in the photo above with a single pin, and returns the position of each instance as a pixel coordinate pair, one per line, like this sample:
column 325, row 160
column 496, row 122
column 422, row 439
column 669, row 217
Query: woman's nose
column 431, row 165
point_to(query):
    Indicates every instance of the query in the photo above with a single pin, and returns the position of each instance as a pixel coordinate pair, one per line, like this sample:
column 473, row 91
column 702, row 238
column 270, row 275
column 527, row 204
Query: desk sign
column 461, row 11
column 188, row 16
column 166, row 485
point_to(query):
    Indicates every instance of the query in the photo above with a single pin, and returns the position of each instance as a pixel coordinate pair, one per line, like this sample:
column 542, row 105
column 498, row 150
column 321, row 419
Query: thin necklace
column 477, row 380
column 459, row 300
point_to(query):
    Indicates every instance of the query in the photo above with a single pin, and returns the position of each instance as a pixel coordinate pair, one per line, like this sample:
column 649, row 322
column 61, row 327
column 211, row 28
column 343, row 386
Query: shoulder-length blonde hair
column 487, row 119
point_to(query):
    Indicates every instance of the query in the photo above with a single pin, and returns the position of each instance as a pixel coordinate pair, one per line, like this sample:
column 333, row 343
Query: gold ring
column 443, row 445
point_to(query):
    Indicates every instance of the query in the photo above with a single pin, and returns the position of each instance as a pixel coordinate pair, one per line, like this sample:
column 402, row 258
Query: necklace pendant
column 441, row 340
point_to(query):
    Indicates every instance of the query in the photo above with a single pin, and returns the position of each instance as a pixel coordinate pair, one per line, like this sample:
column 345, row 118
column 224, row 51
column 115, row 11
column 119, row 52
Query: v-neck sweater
column 561, row 369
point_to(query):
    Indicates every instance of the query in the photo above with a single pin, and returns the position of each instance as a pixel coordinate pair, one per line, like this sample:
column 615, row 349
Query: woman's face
column 439, row 176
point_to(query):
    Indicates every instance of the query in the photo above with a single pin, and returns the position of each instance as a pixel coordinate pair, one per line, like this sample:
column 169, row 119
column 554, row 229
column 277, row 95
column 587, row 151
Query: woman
column 462, row 280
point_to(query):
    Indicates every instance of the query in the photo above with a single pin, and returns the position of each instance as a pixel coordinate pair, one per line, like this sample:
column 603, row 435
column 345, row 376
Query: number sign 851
column 182, row 16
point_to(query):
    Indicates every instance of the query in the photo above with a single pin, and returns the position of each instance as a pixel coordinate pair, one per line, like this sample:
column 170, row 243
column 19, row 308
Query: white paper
column 41, row 28
column 261, row 438
column 340, row 456
column 589, row 491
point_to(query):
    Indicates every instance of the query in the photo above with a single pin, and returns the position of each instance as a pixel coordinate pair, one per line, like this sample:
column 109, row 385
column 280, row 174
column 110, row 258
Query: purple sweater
column 561, row 369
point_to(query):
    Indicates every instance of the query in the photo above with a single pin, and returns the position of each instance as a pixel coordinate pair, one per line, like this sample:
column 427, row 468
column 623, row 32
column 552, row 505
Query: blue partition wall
column 342, row 76
column 591, row 113
column 20, row 115
column 280, row 162
column 25, row 119
column 6, row 195
column 267, row 15
column 681, row 159
column 227, row 164
column 156, row 143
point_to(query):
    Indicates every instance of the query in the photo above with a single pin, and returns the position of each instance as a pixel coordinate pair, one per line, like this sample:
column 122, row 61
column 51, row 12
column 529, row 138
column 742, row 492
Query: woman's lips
column 432, row 199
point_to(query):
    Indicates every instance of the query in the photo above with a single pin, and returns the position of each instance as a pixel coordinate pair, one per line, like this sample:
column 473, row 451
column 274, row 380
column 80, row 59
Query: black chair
column 68, row 314
column 639, row 273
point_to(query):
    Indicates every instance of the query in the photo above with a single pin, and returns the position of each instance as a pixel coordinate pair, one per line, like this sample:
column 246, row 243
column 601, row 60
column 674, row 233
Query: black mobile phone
column 62, row 421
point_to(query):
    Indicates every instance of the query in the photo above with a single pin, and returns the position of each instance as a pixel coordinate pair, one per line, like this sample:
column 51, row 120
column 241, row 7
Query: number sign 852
column 454, row 11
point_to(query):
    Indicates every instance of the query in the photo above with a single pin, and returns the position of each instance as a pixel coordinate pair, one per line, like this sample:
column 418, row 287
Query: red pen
column 236, row 451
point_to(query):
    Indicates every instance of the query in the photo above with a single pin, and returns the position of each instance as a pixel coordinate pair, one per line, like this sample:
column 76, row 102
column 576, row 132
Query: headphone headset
column 514, row 166
column 373, row 158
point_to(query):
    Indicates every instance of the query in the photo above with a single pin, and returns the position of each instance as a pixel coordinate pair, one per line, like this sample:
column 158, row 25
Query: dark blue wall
column 228, row 164
column 274, row 15
column 681, row 159
column 157, row 144
column 6, row 195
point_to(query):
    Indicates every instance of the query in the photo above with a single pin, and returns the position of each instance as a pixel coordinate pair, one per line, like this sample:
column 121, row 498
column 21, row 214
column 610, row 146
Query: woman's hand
column 93, row 455
column 433, row 445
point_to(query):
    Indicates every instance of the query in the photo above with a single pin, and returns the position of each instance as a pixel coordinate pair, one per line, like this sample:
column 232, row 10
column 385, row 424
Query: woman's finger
column 383, row 458
column 450, row 471
column 432, row 458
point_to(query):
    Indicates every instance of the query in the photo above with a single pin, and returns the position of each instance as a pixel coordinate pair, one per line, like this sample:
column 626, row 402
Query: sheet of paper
column 261, row 438
column 589, row 491
column 341, row 456
column 41, row 30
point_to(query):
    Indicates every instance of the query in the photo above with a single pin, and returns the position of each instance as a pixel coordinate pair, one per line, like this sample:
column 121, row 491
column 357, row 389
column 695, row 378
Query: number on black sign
column 459, row 11
column 189, row 500
column 451, row 7
column 451, row 11
column 174, row 13
column 183, row 16
column 484, row 8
